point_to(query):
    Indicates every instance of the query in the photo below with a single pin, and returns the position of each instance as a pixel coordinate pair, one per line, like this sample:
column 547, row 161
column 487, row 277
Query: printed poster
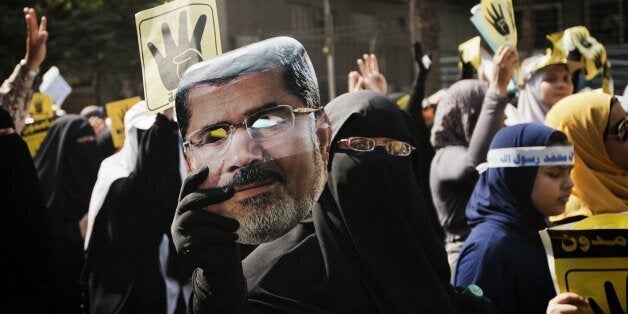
column 116, row 111
column 495, row 21
column 40, row 107
column 590, row 258
column 171, row 38
column 34, row 133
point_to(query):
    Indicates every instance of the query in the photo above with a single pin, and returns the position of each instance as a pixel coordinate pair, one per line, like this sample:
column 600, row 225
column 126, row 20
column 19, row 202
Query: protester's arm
column 152, row 187
column 16, row 91
column 492, row 116
column 415, row 106
column 458, row 163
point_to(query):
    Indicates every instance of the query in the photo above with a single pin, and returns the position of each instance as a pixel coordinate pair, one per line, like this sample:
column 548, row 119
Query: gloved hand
column 206, row 242
column 423, row 61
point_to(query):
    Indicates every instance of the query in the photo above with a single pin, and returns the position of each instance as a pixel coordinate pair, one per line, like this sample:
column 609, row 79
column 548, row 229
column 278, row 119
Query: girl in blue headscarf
column 525, row 179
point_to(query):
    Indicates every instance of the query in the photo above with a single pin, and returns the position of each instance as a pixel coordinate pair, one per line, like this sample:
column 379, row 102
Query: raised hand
column 506, row 61
column 498, row 20
column 354, row 80
column 369, row 70
column 36, row 38
column 423, row 61
column 178, row 57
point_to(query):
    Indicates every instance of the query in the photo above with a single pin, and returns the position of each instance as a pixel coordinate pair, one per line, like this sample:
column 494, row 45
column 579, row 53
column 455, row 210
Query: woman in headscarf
column 527, row 179
column 374, row 200
column 460, row 146
column 369, row 246
column 67, row 163
column 547, row 81
column 131, row 264
column 596, row 125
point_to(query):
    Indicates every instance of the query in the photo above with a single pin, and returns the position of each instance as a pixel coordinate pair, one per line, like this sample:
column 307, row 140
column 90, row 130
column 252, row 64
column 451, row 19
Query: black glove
column 206, row 241
column 418, row 57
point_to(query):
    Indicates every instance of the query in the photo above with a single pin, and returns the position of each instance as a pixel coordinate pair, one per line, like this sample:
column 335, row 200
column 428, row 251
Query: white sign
column 55, row 86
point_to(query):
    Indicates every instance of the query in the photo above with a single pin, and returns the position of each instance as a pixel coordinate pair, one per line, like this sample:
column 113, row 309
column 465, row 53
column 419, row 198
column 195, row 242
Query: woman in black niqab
column 67, row 164
column 374, row 201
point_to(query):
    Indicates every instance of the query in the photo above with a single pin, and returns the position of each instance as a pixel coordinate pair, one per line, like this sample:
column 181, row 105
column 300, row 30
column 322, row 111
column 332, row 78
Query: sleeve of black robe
column 426, row 151
column 137, row 211
column 152, row 188
column 25, row 230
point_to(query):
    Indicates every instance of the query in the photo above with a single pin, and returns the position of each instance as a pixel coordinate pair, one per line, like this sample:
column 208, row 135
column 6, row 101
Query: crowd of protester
column 261, row 199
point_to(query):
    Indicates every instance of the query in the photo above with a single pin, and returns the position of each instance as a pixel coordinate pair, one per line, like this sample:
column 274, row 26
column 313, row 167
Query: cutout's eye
column 210, row 135
column 267, row 120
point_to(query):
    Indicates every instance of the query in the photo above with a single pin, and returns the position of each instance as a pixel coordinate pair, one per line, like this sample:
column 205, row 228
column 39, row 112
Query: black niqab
column 67, row 169
column 381, row 210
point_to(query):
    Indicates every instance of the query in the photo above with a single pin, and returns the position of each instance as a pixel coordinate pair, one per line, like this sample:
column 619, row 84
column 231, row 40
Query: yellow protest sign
column 172, row 37
column 470, row 52
column 34, row 133
column 590, row 258
column 116, row 111
column 578, row 38
column 40, row 107
column 495, row 21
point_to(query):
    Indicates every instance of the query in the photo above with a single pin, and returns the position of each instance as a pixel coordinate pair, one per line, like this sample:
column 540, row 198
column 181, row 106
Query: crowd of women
column 483, row 210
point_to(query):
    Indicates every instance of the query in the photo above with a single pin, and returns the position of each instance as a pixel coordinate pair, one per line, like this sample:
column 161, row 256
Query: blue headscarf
column 502, row 195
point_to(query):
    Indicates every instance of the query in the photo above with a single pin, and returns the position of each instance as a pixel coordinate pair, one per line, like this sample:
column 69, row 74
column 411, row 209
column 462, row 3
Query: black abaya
column 123, row 267
column 24, row 231
column 67, row 170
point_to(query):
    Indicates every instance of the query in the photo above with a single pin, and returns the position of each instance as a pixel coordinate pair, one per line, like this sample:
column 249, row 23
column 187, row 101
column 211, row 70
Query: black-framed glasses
column 365, row 144
column 622, row 131
column 213, row 140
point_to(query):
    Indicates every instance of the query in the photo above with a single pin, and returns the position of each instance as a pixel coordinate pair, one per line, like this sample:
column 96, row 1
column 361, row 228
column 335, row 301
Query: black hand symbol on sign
column 597, row 59
column 120, row 115
column 614, row 305
column 583, row 40
column 178, row 58
column 39, row 106
column 498, row 20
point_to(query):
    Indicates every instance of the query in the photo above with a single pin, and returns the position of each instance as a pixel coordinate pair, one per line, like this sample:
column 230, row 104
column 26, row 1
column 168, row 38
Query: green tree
column 93, row 42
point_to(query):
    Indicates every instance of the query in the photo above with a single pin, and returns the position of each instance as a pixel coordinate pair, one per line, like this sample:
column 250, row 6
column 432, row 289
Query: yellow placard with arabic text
column 40, row 107
column 34, row 133
column 172, row 37
column 116, row 111
column 590, row 258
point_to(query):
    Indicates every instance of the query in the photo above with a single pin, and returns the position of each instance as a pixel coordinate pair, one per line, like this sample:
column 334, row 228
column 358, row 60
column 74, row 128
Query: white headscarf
column 120, row 164
column 530, row 106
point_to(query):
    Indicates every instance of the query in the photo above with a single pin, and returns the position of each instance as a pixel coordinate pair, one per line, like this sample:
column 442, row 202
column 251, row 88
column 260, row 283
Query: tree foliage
column 93, row 42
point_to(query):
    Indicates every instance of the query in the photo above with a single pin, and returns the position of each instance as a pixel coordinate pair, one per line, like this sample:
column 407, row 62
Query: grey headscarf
column 457, row 114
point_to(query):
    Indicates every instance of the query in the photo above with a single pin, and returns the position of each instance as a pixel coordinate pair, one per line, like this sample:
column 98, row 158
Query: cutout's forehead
column 230, row 103
column 253, row 58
